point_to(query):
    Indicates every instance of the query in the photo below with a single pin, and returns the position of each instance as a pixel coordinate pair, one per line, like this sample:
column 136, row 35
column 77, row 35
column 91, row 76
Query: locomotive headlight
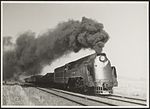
column 102, row 58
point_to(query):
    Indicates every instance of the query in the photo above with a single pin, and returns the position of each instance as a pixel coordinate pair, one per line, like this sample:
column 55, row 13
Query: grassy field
column 16, row 95
column 131, row 87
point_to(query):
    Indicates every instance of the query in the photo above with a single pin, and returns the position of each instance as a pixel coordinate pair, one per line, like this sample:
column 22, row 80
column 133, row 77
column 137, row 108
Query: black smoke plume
column 31, row 52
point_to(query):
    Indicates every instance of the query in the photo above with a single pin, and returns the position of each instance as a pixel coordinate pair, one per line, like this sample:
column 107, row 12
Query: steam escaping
column 32, row 53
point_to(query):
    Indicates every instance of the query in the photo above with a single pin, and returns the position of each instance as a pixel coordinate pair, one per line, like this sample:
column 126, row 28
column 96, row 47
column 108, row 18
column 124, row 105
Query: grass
column 30, row 96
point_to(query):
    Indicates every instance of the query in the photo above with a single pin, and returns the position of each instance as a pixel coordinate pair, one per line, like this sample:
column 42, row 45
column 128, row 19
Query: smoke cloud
column 32, row 52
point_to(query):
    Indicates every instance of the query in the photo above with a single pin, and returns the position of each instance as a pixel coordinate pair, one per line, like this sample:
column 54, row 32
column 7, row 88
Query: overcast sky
column 126, row 23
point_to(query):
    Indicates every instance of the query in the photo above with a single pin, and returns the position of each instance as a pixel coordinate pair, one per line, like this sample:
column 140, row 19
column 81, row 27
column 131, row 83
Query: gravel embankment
column 30, row 96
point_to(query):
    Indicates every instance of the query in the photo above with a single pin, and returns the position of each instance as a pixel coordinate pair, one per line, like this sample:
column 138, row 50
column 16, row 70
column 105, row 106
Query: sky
column 125, row 22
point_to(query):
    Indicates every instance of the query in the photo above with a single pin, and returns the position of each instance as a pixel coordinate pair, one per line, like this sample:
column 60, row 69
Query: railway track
column 79, row 99
column 140, row 99
column 124, row 99
column 129, row 99
column 87, row 100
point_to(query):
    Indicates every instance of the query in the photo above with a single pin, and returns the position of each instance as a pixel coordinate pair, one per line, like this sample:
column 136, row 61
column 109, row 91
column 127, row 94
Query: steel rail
column 113, row 97
column 84, row 97
column 61, row 96
column 129, row 100
column 128, row 97
column 133, row 102
column 74, row 100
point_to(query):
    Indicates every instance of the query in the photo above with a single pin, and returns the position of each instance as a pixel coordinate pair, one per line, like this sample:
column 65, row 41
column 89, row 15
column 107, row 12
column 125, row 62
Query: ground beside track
column 29, row 96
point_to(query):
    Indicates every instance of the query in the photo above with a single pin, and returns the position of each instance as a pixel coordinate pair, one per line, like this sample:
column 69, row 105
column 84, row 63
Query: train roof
column 82, row 60
column 78, row 62
column 86, row 58
column 36, row 76
column 49, row 74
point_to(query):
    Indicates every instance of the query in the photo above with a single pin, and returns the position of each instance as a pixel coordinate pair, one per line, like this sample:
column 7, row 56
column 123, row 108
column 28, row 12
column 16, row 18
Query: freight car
column 41, row 80
column 33, row 79
column 93, row 74
column 47, row 80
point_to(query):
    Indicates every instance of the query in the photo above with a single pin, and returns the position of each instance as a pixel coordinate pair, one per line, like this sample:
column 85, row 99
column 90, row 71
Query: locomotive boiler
column 93, row 74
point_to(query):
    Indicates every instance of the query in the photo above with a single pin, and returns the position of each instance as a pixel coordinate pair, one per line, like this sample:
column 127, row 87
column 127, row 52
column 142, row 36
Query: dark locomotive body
column 93, row 74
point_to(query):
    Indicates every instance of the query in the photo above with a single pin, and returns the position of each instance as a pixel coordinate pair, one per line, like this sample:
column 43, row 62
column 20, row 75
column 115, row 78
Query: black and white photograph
column 79, row 54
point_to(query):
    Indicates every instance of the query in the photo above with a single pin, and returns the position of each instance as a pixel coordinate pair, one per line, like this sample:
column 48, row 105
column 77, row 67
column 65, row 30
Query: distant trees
column 7, row 41
column 9, row 64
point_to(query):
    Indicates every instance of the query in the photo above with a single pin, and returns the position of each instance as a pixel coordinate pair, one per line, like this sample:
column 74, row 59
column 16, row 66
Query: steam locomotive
column 90, row 74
